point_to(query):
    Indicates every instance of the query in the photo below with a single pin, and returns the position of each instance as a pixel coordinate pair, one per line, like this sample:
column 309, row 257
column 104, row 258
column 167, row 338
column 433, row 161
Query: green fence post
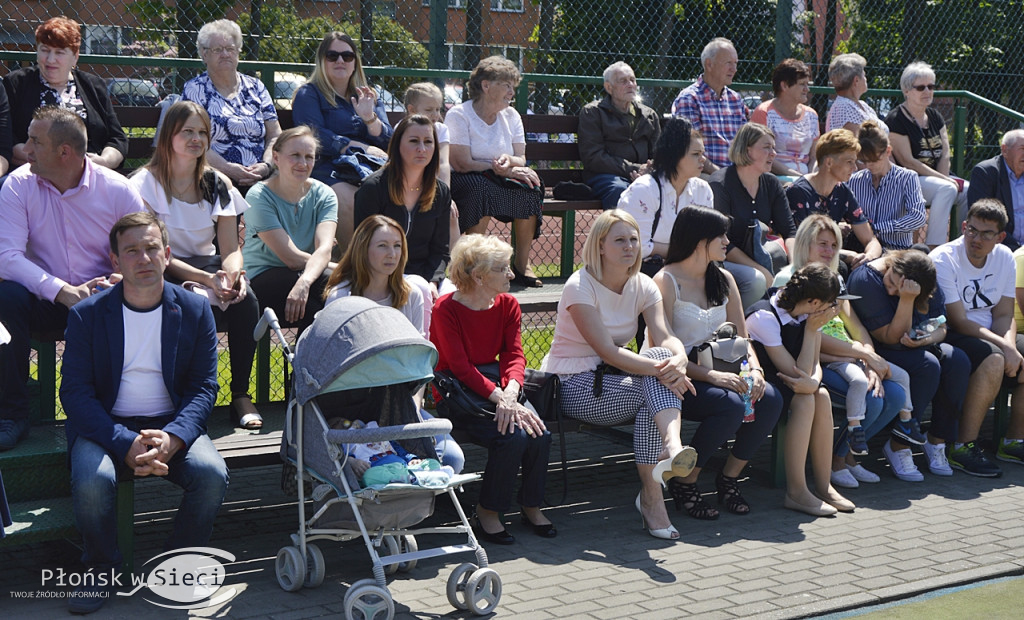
column 783, row 30
column 438, row 34
column 263, row 369
column 959, row 139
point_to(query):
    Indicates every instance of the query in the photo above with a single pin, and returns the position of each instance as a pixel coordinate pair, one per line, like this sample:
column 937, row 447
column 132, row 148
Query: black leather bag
column 540, row 388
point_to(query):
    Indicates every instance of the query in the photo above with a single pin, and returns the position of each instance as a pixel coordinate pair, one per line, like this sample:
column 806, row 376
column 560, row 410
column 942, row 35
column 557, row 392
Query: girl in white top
column 200, row 209
column 673, row 184
column 372, row 267
column 698, row 297
column 597, row 318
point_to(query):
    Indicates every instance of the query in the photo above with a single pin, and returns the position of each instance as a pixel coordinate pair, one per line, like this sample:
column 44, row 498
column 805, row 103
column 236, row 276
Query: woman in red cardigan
column 474, row 326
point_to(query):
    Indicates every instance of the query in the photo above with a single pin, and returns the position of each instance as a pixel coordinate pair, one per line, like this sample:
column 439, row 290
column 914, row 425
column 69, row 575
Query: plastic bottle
column 925, row 328
column 748, row 404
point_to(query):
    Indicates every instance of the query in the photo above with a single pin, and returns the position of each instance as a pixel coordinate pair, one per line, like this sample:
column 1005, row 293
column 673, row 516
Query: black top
column 615, row 143
column 841, row 205
column 770, row 206
column 925, row 142
column 24, row 89
column 6, row 141
column 426, row 231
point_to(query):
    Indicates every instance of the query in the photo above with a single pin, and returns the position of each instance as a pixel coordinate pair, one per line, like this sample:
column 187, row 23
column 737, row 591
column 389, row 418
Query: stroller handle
column 268, row 319
column 429, row 428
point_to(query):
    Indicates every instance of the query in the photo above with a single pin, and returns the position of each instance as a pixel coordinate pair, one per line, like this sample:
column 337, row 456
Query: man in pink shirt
column 55, row 214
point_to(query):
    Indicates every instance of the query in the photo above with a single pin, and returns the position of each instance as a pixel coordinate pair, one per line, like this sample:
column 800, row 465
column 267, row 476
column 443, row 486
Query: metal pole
column 783, row 30
column 438, row 34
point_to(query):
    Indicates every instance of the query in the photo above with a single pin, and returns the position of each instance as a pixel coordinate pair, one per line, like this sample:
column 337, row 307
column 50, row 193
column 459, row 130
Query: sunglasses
column 923, row 87
column 333, row 56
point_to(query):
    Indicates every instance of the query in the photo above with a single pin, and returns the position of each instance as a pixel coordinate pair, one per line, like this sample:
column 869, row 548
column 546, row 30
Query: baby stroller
column 362, row 361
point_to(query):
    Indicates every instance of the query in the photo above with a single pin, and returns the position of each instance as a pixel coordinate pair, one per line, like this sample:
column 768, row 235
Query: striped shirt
column 717, row 118
column 895, row 209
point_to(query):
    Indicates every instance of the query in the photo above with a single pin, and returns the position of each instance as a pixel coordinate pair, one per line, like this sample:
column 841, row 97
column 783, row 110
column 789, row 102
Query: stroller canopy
column 357, row 343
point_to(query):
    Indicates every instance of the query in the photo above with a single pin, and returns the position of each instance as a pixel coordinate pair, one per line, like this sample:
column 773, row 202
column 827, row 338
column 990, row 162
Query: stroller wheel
column 407, row 544
column 290, row 569
column 483, row 591
column 456, row 589
column 316, row 567
column 390, row 547
column 365, row 600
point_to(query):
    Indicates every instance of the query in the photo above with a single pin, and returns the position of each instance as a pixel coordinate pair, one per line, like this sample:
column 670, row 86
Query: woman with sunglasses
column 346, row 113
column 920, row 143
column 243, row 119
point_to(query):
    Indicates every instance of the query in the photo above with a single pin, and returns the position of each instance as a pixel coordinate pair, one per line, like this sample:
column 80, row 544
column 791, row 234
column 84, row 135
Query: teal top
column 269, row 211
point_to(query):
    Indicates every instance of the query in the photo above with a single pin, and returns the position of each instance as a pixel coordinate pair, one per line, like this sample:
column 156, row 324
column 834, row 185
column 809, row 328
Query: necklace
column 182, row 193
column 413, row 189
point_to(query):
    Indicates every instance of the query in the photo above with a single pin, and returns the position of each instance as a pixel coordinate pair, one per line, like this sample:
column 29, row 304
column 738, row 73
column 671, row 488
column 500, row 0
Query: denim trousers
column 21, row 312
column 608, row 187
column 939, row 375
column 200, row 471
column 878, row 411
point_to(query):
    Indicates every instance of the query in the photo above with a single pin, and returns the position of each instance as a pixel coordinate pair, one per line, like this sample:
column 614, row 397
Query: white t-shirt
column 191, row 227
column 443, row 136
column 570, row 353
column 641, row 200
column 762, row 326
column 413, row 309
column 485, row 142
column 979, row 290
column 142, row 392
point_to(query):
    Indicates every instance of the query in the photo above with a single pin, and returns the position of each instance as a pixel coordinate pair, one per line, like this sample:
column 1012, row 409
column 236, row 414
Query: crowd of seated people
column 714, row 216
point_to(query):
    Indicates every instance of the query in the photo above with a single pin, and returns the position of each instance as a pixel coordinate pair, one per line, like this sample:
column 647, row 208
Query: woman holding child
column 471, row 328
column 201, row 209
column 605, row 383
column 786, row 330
column 698, row 296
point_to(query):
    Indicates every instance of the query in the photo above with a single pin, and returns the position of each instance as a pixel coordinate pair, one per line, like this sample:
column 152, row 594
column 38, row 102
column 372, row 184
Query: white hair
column 223, row 27
column 844, row 68
column 614, row 68
column 1012, row 137
column 713, row 47
column 914, row 72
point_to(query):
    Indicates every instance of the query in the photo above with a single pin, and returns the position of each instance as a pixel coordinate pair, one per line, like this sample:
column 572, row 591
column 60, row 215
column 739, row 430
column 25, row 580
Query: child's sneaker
column 908, row 431
column 1012, row 452
column 857, row 440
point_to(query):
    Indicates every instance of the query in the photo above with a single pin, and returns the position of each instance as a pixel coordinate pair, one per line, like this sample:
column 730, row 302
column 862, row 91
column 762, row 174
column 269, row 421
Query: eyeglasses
column 505, row 269
column 923, row 87
column 230, row 50
column 986, row 235
column 334, row 55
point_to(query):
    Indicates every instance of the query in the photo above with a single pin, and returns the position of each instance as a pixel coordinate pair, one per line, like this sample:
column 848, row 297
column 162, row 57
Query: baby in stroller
column 382, row 462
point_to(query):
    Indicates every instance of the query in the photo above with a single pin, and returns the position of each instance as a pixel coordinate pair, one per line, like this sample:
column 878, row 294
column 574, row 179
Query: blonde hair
column 807, row 236
column 319, row 76
column 598, row 231
column 421, row 90
column 354, row 266
column 473, row 254
column 746, row 137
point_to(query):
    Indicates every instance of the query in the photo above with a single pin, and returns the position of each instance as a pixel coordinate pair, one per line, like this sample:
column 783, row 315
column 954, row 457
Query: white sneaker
column 844, row 479
column 902, row 464
column 937, row 462
column 863, row 475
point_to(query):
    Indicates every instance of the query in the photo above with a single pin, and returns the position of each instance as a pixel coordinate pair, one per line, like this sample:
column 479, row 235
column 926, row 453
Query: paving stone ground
column 903, row 539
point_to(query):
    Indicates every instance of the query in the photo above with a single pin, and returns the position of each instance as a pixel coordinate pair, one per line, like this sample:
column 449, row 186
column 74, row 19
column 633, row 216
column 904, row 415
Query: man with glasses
column 1002, row 177
column 977, row 277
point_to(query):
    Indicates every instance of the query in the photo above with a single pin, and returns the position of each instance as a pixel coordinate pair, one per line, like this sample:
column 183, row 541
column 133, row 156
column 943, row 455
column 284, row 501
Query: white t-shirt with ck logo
column 979, row 290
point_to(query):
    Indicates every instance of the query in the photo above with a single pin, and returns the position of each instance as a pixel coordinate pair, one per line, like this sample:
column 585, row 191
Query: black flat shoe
column 544, row 531
column 498, row 538
column 523, row 280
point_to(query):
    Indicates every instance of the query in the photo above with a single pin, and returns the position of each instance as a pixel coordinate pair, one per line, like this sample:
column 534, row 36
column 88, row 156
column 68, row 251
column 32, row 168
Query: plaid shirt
column 717, row 118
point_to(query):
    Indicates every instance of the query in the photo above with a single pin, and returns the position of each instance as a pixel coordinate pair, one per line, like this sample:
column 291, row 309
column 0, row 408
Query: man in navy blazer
column 1002, row 178
column 139, row 381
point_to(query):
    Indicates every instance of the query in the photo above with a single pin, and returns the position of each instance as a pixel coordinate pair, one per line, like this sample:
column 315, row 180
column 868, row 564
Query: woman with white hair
column 920, row 143
column 848, row 77
column 242, row 115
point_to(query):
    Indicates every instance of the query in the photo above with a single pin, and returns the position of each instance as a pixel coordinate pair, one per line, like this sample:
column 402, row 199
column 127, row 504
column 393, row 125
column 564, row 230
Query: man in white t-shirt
column 139, row 382
column 977, row 276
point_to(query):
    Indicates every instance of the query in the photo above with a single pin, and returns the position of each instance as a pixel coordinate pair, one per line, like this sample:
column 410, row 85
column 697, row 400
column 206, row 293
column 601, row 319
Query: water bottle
column 925, row 328
column 748, row 404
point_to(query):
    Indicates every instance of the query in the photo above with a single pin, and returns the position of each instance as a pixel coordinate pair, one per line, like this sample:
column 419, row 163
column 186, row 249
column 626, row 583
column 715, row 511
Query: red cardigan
column 467, row 338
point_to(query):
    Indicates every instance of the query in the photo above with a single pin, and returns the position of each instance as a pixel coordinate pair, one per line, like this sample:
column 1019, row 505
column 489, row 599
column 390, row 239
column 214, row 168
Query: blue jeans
column 938, row 375
column 878, row 412
column 200, row 471
column 608, row 187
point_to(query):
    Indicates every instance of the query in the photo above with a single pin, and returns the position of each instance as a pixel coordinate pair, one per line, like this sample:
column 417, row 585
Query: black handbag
column 459, row 401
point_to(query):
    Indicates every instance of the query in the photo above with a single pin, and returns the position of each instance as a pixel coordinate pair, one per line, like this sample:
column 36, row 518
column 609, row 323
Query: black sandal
column 729, row 492
column 521, row 279
column 687, row 497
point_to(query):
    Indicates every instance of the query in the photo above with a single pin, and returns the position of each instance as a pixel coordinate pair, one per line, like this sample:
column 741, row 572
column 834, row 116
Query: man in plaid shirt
column 711, row 106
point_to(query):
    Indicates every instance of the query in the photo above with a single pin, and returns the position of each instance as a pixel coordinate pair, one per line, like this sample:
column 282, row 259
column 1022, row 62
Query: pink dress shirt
column 49, row 239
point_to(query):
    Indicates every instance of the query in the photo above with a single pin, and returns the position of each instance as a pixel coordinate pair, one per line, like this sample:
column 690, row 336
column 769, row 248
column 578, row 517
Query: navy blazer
column 94, row 357
column 989, row 179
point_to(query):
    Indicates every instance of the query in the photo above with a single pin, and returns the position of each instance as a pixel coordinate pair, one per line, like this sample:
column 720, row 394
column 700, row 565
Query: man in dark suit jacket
column 139, row 381
column 1001, row 177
